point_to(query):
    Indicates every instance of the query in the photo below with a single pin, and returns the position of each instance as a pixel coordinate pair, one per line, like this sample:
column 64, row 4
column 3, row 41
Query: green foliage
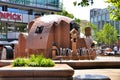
column 20, row 62
column 77, row 20
column 33, row 64
column 75, row 3
column 32, row 58
column 47, row 62
column 100, row 36
column 33, row 61
column 114, row 8
column 107, row 35
column 39, row 58
column 83, row 3
column 65, row 13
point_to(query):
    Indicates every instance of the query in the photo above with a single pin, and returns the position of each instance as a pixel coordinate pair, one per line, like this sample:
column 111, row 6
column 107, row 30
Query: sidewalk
column 113, row 74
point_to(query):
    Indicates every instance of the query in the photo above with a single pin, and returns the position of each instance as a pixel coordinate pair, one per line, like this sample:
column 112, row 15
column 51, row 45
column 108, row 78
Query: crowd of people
column 114, row 50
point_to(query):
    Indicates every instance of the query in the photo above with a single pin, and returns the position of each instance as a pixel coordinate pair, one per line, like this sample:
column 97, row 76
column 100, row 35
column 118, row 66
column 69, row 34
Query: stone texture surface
column 56, row 29
column 20, row 48
column 59, row 70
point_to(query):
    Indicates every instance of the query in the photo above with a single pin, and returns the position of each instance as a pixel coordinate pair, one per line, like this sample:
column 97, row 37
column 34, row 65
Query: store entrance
column 11, row 33
column 10, row 30
column 6, row 28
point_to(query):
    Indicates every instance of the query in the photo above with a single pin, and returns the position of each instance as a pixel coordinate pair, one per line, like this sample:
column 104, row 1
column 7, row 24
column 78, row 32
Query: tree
column 114, row 7
column 107, row 35
column 83, row 3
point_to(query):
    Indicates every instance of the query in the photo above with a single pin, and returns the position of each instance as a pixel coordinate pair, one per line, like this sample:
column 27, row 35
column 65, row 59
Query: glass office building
column 15, row 15
column 101, row 16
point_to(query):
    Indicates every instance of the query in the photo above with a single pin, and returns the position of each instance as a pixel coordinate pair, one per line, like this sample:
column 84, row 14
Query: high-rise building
column 15, row 15
column 101, row 16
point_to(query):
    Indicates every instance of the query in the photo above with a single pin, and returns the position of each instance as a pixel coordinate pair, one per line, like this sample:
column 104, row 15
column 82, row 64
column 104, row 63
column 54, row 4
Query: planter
column 59, row 70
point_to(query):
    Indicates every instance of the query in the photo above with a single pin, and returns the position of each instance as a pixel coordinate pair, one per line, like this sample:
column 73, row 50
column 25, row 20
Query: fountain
column 55, row 37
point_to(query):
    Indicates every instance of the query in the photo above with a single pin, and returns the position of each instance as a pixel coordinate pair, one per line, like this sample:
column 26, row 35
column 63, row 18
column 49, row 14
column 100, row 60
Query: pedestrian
column 115, row 49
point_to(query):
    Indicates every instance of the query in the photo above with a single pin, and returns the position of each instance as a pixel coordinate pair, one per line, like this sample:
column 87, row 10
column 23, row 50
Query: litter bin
column 9, row 52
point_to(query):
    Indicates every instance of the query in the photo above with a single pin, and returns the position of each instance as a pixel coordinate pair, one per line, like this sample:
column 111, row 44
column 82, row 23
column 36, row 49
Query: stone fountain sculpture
column 53, row 36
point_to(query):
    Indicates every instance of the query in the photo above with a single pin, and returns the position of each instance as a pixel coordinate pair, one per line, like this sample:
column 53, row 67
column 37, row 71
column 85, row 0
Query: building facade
column 16, row 14
column 101, row 16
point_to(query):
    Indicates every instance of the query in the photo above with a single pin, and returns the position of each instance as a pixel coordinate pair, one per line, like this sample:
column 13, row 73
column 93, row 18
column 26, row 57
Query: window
column 54, row 3
column 107, row 17
column 41, row 2
column 73, row 24
column 10, row 27
column 91, row 20
column 3, row 30
column 95, row 19
column 99, row 18
column 13, row 10
column 39, row 29
column 91, row 13
column 103, row 17
column 21, row 27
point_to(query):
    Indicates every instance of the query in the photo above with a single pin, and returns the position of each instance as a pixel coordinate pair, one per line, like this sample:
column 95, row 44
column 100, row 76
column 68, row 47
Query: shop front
column 11, row 24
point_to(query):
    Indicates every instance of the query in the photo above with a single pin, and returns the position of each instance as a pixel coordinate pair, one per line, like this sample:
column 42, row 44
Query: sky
column 83, row 13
